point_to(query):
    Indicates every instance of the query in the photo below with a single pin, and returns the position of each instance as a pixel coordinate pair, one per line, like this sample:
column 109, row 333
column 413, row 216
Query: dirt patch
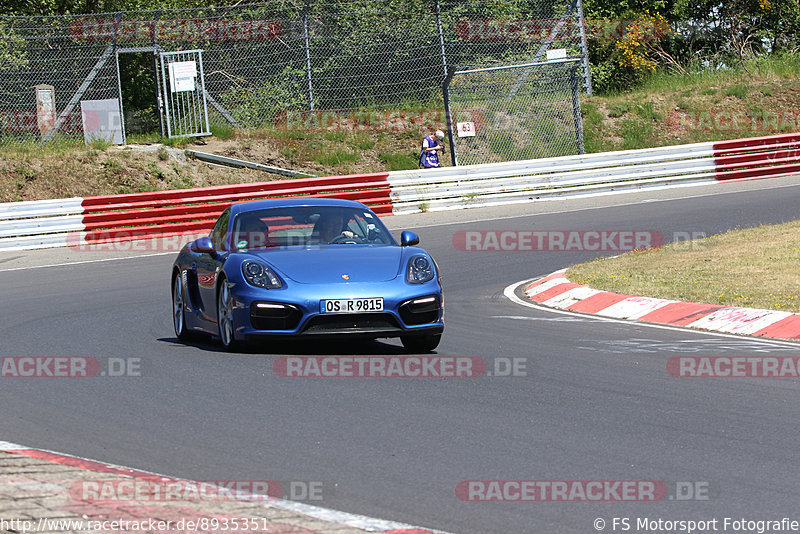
column 35, row 173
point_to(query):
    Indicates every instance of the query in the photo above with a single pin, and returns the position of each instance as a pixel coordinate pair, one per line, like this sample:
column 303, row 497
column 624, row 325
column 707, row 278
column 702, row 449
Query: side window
column 220, row 230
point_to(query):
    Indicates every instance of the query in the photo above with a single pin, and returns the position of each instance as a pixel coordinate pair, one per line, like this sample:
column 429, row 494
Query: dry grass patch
column 754, row 268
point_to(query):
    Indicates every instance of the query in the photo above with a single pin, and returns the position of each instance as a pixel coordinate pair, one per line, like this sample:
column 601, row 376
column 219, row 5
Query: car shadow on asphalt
column 299, row 347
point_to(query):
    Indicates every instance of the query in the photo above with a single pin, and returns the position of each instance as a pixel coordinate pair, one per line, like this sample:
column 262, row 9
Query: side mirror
column 408, row 238
column 202, row 244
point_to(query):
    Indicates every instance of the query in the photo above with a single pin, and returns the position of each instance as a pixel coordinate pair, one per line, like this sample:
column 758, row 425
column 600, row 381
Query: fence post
column 577, row 117
column 308, row 56
column 441, row 36
column 584, row 50
column 159, row 101
column 446, row 94
column 117, row 20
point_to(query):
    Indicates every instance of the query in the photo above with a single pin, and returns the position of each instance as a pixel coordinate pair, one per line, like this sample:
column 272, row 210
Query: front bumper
column 294, row 311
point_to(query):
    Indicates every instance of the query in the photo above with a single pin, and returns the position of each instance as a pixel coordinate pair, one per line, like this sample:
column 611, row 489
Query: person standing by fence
column 431, row 144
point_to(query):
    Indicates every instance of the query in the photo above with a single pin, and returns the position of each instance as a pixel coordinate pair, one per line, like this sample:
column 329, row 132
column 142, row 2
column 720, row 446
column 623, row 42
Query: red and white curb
column 331, row 516
column 556, row 291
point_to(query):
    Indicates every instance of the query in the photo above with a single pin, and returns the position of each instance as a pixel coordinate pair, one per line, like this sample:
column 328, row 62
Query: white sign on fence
column 182, row 75
column 465, row 129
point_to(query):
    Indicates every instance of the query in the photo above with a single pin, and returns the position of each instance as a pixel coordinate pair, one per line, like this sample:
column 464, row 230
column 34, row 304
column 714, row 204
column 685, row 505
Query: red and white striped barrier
column 79, row 222
column 94, row 220
column 556, row 291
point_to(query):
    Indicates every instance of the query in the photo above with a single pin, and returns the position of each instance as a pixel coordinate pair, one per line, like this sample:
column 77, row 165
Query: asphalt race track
column 596, row 404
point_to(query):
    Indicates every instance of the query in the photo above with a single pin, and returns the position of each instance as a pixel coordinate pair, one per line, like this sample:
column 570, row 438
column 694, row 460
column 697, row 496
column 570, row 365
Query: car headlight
column 420, row 269
column 259, row 275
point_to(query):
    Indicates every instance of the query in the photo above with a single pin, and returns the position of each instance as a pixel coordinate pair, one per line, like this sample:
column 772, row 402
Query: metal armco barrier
column 524, row 181
column 64, row 222
column 101, row 219
column 757, row 157
column 40, row 223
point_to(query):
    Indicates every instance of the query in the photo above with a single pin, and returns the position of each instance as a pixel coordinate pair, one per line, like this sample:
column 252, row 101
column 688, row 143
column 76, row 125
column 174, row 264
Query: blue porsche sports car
column 306, row 267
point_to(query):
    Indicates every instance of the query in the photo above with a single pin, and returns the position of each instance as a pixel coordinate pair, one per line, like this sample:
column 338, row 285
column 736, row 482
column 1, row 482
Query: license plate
column 351, row 305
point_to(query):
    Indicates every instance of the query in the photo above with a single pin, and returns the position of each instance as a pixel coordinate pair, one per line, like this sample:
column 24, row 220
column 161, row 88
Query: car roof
column 293, row 202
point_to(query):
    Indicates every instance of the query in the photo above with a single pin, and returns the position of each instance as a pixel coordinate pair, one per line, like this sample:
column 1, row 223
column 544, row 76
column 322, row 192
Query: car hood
column 325, row 264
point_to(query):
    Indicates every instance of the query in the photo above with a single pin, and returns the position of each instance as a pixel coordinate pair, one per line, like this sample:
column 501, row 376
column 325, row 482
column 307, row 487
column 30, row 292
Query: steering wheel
column 341, row 238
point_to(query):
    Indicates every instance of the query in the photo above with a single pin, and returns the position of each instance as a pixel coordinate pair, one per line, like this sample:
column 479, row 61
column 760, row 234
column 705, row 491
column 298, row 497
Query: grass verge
column 754, row 268
column 758, row 98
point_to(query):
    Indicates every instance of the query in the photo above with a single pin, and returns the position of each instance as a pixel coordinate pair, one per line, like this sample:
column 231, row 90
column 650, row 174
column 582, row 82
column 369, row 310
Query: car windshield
column 307, row 225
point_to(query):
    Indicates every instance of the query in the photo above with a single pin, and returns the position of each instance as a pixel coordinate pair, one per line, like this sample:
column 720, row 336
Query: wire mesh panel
column 264, row 60
column 40, row 50
column 483, row 34
column 374, row 54
column 518, row 112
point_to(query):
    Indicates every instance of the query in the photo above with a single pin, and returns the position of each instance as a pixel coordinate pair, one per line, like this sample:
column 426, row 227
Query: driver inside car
column 253, row 233
column 330, row 227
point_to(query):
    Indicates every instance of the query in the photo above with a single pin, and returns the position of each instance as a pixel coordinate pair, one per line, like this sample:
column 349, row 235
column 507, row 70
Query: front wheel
column 421, row 343
column 178, row 315
column 225, row 317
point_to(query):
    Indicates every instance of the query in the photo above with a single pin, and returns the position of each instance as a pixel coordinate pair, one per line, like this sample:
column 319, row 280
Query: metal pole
column 117, row 20
column 576, row 109
column 159, row 102
column 166, row 94
column 446, row 94
column 121, row 110
column 441, row 35
column 308, row 57
column 203, row 92
column 584, row 50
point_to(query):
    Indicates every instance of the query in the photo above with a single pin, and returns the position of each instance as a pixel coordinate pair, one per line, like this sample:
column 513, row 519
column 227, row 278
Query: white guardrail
column 39, row 223
column 491, row 184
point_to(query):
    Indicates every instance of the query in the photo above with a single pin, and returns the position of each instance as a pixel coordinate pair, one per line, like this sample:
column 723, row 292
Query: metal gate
column 520, row 112
column 184, row 93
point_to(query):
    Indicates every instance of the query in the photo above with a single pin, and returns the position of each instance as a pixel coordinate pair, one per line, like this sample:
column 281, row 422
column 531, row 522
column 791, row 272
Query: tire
column 421, row 343
column 178, row 305
column 225, row 317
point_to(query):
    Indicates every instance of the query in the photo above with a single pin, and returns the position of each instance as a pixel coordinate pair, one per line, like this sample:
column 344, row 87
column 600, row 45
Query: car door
column 208, row 266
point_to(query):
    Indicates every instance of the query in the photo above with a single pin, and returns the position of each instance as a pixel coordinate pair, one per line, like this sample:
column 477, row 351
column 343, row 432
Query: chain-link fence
column 520, row 112
column 263, row 60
